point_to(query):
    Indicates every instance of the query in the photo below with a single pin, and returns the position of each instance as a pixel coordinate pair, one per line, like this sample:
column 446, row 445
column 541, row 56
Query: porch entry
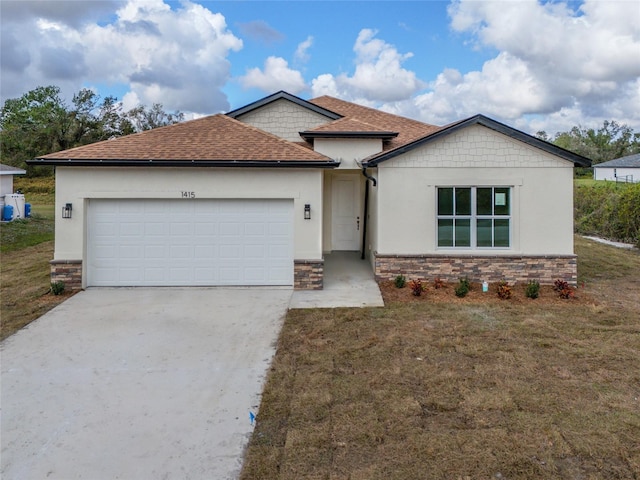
column 346, row 213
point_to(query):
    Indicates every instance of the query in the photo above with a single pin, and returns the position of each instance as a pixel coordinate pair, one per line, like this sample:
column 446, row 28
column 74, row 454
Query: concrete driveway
column 138, row 383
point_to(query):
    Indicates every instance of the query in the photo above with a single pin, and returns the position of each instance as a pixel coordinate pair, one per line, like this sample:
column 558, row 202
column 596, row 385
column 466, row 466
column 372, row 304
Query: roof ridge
column 373, row 110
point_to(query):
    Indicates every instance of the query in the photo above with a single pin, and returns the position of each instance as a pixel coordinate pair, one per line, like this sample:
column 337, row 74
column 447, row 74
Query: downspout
column 366, row 209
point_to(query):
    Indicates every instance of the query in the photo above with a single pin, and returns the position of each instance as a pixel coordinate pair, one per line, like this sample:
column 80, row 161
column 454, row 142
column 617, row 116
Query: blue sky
column 534, row 65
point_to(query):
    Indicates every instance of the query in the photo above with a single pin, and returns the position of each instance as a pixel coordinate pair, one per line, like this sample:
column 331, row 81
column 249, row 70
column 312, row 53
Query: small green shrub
column 400, row 281
column 464, row 286
column 416, row 287
column 504, row 290
column 57, row 288
column 532, row 289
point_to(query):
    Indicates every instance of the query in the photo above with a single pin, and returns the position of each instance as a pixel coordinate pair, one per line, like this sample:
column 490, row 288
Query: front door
column 345, row 213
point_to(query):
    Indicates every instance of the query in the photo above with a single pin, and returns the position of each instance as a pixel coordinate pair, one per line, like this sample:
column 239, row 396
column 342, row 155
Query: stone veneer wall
column 67, row 271
column 308, row 274
column 513, row 269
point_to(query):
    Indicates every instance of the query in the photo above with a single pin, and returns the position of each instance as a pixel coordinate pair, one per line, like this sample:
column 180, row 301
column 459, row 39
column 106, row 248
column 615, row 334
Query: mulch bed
column 446, row 294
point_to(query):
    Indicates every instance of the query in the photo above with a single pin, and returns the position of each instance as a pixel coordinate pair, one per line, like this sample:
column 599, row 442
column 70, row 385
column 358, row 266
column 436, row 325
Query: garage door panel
column 190, row 242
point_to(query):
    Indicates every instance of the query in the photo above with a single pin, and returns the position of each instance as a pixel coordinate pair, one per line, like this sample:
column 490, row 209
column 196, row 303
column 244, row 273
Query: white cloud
column 174, row 57
column 378, row 77
column 553, row 63
column 301, row 54
column 276, row 76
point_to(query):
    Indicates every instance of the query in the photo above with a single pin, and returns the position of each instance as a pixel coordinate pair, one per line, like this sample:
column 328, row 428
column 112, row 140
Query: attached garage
column 195, row 242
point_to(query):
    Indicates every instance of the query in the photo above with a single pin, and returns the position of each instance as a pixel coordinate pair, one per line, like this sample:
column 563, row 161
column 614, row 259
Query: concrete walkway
column 348, row 282
column 138, row 383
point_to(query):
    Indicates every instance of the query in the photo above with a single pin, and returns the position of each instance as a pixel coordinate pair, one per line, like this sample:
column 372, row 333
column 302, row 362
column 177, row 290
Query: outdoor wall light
column 66, row 210
column 307, row 211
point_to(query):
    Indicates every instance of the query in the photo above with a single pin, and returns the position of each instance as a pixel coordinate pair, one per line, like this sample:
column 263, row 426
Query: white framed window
column 474, row 217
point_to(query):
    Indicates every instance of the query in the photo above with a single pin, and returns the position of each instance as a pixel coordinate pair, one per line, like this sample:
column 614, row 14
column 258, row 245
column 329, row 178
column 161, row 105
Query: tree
column 40, row 122
column 610, row 141
column 32, row 125
column 147, row 119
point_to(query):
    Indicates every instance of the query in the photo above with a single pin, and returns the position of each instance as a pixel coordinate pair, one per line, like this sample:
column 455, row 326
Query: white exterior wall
column 542, row 193
column 284, row 119
column 6, row 184
column 347, row 150
column 77, row 185
column 610, row 173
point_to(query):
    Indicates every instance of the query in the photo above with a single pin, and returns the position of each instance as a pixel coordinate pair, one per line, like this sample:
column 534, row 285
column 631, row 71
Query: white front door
column 345, row 213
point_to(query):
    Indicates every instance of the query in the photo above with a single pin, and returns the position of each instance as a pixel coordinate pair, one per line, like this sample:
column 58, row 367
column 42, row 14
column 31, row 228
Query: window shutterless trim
column 474, row 217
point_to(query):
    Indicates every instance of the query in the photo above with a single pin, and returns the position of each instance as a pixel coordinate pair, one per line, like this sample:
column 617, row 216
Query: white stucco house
column 260, row 195
column 623, row 169
column 7, row 172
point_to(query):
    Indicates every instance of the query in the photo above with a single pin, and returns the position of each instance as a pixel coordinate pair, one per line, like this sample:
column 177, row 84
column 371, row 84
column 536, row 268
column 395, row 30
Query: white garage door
column 190, row 242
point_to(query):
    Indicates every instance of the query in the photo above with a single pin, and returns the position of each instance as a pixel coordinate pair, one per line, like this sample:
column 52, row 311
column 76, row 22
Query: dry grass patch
column 25, row 287
column 456, row 390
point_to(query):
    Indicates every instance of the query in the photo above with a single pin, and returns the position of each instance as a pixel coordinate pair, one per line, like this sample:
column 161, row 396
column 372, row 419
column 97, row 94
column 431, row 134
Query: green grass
column 26, row 247
column 24, row 233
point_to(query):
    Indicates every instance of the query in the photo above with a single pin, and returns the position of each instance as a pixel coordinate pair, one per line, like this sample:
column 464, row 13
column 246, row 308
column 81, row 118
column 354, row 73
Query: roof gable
column 577, row 160
column 408, row 130
column 212, row 140
column 278, row 96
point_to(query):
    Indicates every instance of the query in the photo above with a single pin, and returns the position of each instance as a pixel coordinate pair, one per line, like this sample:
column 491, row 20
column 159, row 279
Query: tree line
column 41, row 122
column 611, row 140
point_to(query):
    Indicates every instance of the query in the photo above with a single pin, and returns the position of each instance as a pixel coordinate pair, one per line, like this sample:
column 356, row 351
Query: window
column 474, row 217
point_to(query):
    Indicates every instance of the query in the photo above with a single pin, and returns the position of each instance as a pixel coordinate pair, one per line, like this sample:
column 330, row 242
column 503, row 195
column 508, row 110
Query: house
column 623, row 169
column 7, row 197
column 7, row 173
column 259, row 196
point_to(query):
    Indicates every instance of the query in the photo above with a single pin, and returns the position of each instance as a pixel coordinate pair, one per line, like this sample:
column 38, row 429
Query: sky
column 534, row 65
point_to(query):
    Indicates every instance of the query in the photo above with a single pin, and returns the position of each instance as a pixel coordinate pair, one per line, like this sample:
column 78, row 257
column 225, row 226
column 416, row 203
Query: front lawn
column 461, row 389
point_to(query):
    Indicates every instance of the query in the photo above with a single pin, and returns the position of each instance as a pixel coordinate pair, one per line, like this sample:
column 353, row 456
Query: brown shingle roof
column 348, row 124
column 408, row 130
column 213, row 138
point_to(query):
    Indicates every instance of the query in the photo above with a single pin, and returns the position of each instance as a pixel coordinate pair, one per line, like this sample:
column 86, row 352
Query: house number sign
column 187, row 194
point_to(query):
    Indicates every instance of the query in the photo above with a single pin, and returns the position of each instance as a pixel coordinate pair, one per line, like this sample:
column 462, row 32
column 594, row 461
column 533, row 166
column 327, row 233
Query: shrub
column 566, row 293
column 438, row 283
column 463, row 287
column 416, row 287
column 57, row 288
column 608, row 210
column 563, row 288
column 533, row 289
column 560, row 285
column 400, row 281
column 504, row 290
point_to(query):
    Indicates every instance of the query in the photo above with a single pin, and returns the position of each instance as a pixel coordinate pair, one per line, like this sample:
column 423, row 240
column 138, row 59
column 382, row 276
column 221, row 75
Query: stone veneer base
column 308, row 274
column 67, row 271
column 513, row 269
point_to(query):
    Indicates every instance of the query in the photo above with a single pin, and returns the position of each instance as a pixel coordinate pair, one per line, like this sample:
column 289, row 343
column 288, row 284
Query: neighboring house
column 6, row 178
column 623, row 169
column 260, row 195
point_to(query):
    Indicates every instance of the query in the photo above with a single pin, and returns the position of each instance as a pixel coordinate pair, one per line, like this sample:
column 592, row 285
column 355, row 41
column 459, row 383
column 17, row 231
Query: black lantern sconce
column 66, row 210
column 307, row 211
